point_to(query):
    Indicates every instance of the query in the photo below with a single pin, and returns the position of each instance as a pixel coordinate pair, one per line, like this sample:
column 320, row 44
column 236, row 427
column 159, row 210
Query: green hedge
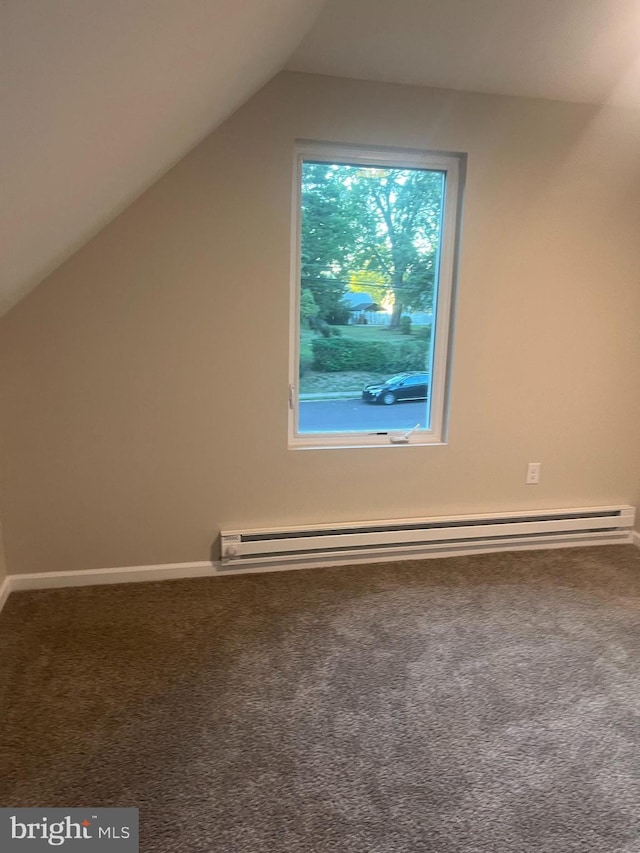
column 331, row 355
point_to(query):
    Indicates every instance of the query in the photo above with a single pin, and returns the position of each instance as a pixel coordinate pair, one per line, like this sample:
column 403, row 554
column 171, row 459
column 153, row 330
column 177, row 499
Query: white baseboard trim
column 96, row 577
column 210, row 568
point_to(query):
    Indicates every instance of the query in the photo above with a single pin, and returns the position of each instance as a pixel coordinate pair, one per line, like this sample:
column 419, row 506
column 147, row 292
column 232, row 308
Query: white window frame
column 451, row 165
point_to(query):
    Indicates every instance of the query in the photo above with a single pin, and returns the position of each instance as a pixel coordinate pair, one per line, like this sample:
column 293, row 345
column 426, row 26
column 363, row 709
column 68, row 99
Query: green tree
column 374, row 284
column 377, row 229
column 329, row 230
column 399, row 236
column 308, row 306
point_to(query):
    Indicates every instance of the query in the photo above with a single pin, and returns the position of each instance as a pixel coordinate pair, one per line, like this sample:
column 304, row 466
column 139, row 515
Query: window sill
column 360, row 442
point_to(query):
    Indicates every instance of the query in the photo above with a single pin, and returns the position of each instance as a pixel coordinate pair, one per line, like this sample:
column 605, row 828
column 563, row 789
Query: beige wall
column 146, row 380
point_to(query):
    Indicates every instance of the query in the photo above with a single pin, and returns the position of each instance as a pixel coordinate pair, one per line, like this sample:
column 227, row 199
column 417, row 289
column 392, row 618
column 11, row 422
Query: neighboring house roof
column 359, row 302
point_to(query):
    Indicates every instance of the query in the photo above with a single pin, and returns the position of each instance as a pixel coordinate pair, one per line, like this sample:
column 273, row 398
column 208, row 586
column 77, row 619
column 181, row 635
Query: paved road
column 340, row 415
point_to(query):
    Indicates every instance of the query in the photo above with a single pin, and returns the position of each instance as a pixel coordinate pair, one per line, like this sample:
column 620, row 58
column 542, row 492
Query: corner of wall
column 3, row 562
column 4, row 580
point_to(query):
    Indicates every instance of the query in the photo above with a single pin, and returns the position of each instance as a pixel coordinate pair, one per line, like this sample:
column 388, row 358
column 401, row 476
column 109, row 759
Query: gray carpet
column 486, row 704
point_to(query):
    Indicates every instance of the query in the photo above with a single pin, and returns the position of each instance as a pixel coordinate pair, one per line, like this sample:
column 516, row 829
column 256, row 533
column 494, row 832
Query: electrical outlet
column 533, row 473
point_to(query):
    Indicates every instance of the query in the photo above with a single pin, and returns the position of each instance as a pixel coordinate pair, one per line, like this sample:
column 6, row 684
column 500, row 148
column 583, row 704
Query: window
column 373, row 269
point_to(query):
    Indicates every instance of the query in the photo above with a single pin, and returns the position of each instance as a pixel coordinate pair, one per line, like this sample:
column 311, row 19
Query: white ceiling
column 100, row 97
column 573, row 50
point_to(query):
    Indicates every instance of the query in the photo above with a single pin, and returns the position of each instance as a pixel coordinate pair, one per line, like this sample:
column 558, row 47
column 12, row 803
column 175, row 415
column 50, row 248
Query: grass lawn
column 370, row 333
column 348, row 380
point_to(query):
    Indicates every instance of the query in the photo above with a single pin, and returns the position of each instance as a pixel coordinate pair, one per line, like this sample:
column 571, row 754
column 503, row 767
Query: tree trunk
column 395, row 315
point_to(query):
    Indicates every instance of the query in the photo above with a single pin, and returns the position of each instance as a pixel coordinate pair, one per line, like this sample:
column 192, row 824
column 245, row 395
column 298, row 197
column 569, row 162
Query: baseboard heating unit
column 335, row 544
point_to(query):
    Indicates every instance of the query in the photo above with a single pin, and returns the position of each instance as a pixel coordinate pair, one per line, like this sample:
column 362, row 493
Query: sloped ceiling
column 570, row 50
column 100, row 97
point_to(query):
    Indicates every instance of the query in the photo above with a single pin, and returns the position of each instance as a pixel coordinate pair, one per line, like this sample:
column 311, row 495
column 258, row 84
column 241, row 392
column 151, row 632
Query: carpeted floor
column 486, row 704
